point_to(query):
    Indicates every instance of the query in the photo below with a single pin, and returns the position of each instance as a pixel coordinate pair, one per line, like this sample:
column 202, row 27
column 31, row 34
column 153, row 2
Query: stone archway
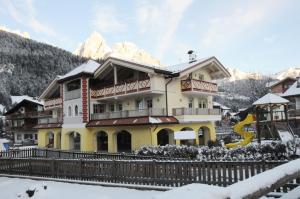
column 50, row 139
column 188, row 142
column 74, row 141
column 203, row 135
column 123, row 141
column 165, row 136
column 102, row 141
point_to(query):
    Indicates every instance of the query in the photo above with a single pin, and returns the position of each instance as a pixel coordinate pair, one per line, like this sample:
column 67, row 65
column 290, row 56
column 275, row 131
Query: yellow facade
column 144, row 135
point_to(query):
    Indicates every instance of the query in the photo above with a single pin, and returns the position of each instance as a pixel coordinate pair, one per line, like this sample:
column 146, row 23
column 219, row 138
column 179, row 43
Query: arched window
column 69, row 111
column 76, row 110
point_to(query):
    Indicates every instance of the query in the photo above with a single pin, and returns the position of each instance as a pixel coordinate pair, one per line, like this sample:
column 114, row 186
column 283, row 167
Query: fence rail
column 53, row 153
column 142, row 172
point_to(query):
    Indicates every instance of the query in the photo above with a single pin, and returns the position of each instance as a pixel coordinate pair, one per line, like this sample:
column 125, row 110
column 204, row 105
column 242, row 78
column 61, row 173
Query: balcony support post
column 115, row 75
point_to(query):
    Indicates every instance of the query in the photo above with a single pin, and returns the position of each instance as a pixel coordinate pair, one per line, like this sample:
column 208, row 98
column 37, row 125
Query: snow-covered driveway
column 14, row 188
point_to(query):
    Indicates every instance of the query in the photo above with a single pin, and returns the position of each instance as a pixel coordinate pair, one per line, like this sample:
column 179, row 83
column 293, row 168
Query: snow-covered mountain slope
column 7, row 68
column 17, row 32
column 96, row 47
column 237, row 74
column 290, row 72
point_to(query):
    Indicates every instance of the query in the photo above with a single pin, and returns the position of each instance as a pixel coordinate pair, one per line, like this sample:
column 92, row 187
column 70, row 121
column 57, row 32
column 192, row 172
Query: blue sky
column 254, row 36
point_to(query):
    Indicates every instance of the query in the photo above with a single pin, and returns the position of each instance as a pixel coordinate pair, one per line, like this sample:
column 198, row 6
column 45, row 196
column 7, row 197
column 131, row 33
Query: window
column 201, row 77
column 69, row 111
column 149, row 103
column 19, row 136
column 28, row 136
column 202, row 104
column 112, row 107
column 73, row 85
column 99, row 108
column 190, row 103
column 35, row 136
column 76, row 110
column 120, row 107
column 139, row 104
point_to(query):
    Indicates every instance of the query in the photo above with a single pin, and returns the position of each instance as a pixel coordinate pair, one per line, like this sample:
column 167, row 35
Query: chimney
column 192, row 56
column 298, row 81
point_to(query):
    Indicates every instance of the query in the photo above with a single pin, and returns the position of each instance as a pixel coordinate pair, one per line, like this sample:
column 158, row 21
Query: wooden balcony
column 74, row 94
column 49, row 120
column 195, row 111
column 34, row 114
column 129, row 113
column 198, row 86
column 122, row 89
column 294, row 113
column 53, row 103
column 185, row 115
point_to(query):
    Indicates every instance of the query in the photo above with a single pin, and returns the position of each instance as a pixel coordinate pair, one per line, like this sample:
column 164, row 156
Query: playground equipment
column 271, row 118
column 239, row 129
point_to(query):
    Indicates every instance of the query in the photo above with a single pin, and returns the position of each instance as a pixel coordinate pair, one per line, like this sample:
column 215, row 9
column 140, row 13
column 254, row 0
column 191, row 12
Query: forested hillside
column 27, row 66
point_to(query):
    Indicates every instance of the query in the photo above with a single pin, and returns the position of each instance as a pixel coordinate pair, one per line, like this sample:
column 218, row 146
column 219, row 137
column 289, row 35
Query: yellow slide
column 239, row 129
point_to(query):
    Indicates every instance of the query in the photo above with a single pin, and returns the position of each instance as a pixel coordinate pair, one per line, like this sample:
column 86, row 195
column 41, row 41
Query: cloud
column 24, row 12
column 162, row 19
column 107, row 20
column 18, row 32
column 226, row 28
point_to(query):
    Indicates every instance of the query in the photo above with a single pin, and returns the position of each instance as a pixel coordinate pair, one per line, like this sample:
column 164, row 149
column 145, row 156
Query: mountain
column 290, row 72
column 27, row 66
column 237, row 74
column 96, row 47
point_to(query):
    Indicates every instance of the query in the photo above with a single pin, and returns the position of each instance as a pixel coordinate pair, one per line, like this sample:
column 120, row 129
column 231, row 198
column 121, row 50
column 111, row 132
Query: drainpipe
column 166, row 93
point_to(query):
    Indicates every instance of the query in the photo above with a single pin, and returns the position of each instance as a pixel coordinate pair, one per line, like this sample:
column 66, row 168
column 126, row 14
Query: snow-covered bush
column 267, row 151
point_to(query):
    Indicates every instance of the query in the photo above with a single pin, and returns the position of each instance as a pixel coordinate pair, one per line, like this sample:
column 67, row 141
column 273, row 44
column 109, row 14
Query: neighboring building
column 224, row 109
column 21, row 119
column 281, row 86
column 121, row 105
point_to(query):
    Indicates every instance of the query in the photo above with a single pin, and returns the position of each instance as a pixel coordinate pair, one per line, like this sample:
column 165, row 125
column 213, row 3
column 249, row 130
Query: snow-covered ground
column 14, row 188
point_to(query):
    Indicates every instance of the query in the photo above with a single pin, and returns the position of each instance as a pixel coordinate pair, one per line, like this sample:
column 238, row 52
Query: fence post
column 81, row 169
column 52, row 167
column 154, row 172
column 46, row 153
column 10, row 165
column 30, row 166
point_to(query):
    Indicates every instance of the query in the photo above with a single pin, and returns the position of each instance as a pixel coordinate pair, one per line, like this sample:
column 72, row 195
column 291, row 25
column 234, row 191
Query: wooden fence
column 53, row 153
column 141, row 172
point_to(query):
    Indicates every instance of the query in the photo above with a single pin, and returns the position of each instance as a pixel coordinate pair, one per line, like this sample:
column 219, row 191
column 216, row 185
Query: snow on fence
column 52, row 153
column 141, row 172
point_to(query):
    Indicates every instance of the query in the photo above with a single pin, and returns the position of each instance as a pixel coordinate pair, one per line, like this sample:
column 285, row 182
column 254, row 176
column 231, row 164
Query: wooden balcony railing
column 294, row 113
column 199, row 86
column 33, row 114
column 129, row 113
column 74, row 94
column 53, row 103
column 50, row 120
column 120, row 89
column 195, row 111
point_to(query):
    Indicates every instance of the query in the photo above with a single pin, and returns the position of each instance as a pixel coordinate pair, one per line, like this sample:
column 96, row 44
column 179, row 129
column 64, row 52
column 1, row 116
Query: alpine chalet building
column 121, row 105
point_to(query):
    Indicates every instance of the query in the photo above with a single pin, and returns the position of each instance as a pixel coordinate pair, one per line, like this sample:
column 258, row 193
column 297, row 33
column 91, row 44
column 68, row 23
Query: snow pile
column 14, row 188
column 194, row 191
column 240, row 189
column 266, row 151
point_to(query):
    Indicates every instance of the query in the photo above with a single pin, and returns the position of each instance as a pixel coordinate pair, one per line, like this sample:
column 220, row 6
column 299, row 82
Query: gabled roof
column 292, row 91
column 269, row 99
column 87, row 68
column 50, row 87
column 274, row 83
column 188, row 67
column 130, row 64
column 21, row 103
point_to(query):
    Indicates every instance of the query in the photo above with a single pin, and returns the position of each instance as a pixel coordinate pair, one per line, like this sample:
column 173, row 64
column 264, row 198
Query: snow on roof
column 183, row 66
column 274, row 83
column 292, row 91
column 221, row 106
column 270, row 98
column 18, row 99
column 88, row 67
